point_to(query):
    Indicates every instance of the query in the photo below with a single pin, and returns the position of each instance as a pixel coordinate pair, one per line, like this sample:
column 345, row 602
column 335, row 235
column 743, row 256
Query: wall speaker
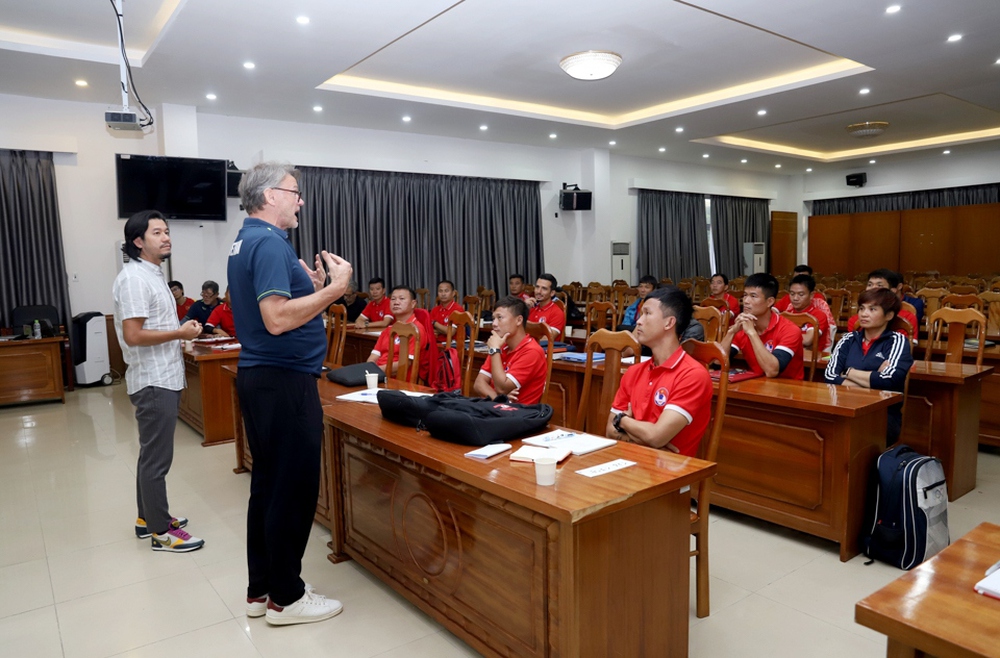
column 857, row 180
column 575, row 199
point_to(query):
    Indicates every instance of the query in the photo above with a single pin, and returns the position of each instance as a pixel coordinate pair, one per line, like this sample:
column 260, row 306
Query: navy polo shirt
column 262, row 262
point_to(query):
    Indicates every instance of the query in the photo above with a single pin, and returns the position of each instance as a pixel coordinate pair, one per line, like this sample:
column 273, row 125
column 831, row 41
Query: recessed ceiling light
column 249, row 65
column 302, row 20
column 997, row 62
column 777, row 166
column 406, row 119
column 704, row 155
column 211, row 97
column 866, row 90
column 892, row 9
column 761, row 113
column 946, row 152
column 955, row 37
column 612, row 143
column 679, row 129
column 317, row 108
column 743, row 161
column 808, row 169
column 484, row 127
column 871, row 162
column 662, row 149
column 552, row 135
column 81, row 83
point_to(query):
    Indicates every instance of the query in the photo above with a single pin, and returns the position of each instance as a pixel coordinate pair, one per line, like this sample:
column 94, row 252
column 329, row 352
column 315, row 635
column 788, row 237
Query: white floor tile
column 224, row 640
column 34, row 634
column 24, row 587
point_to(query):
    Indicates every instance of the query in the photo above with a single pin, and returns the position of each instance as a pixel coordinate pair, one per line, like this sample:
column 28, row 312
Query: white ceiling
column 706, row 65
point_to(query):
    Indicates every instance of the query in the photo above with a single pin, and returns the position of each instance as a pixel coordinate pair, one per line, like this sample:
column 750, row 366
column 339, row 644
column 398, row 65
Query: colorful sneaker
column 258, row 607
column 176, row 541
column 142, row 532
column 311, row 607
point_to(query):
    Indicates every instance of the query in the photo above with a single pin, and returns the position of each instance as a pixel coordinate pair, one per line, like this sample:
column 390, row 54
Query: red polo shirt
column 551, row 314
column 382, row 344
column 680, row 384
column 525, row 365
column 378, row 312
column 525, row 297
column 183, row 307
column 734, row 305
column 441, row 314
column 819, row 301
column 852, row 324
column 779, row 335
column 824, row 324
column 222, row 317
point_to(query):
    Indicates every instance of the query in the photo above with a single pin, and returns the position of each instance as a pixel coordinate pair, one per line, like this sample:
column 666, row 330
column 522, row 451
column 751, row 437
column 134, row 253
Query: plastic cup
column 371, row 379
column 545, row 471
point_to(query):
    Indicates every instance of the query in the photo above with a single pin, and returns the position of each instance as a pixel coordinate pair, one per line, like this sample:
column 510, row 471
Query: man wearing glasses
column 277, row 302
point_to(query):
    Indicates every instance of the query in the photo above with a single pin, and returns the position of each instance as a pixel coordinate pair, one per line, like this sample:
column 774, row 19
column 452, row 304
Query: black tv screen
column 180, row 188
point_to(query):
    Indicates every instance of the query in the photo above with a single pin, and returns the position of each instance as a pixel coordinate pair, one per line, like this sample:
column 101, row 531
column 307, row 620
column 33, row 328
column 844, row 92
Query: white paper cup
column 371, row 379
column 545, row 471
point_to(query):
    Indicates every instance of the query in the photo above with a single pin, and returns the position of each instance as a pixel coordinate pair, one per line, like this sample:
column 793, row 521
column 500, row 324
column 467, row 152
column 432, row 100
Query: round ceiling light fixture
column 591, row 64
column 867, row 129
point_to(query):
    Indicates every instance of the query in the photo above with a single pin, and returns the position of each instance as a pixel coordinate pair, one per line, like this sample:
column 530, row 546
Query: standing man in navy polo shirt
column 278, row 300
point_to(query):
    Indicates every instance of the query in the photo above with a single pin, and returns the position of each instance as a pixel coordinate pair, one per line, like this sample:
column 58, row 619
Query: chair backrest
column 686, row 287
column 423, row 297
column 830, row 282
column 541, row 331
column 708, row 354
column 991, row 308
column 907, row 306
column 712, row 320
column 488, row 298
column 666, row 281
column 964, row 289
column 461, row 327
column 931, row 298
column 619, row 283
column 600, row 315
column 612, row 343
column 838, row 298
column 474, row 305
column 336, row 334
column 26, row 315
column 594, row 293
column 409, row 346
column 962, row 301
column 701, row 288
column 803, row 320
column 939, row 283
column 955, row 321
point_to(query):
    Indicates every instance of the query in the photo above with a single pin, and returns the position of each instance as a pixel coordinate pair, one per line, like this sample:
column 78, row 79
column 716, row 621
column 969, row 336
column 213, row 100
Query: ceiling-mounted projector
column 122, row 120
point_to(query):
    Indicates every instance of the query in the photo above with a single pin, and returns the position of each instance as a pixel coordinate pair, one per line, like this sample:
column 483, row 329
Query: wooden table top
column 947, row 373
column 204, row 351
column 573, row 498
column 813, row 396
column 934, row 607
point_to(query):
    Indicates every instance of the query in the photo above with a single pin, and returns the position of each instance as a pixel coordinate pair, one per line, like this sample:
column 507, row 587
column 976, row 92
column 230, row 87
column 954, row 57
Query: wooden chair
column 714, row 322
column 571, row 290
column 686, row 287
column 612, row 343
column 336, row 335
column 561, row 296
column 956, row 321
column 802, row 321
column 409, row 352
column 487, row 298
column 954, row 300
column 707, row 354
column 991, row 309
column 736, row 285
column 963, row 289
column 600, row 315
column 830, row 282
column 720, row 304
column 782, row 282
column 931, row 298
column 666, row 281
column 474, row 305
column 838, row 299
column 701, row 288
column 541, row 331
column 938, row 283
column 462, row 327
column 619, row 282
column 594, row 294
column 423, row 297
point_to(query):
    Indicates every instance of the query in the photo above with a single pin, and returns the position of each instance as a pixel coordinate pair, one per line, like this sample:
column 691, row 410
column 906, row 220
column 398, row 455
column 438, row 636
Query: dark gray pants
column 156, row 412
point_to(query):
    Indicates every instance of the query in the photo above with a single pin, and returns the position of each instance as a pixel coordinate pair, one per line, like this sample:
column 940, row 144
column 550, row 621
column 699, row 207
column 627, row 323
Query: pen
column 995, row 567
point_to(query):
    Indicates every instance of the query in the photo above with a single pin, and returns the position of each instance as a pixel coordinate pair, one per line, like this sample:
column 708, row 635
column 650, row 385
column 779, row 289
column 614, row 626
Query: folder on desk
column 531, row 453
column 735, row 375
column 990, row 585
column 577, row 442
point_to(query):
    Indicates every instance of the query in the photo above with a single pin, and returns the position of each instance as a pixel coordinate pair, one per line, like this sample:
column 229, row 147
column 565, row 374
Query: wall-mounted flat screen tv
column 180, row 188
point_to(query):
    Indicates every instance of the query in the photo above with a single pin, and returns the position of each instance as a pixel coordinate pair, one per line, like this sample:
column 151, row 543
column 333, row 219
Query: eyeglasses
column 295, row 192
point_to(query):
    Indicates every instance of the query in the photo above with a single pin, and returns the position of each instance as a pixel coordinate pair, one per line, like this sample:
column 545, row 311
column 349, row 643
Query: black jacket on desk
column 891, row 348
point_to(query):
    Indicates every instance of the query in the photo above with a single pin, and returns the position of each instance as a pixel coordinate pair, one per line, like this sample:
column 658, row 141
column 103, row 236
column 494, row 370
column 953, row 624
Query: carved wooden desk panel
column 31, row 370
column 205, row 403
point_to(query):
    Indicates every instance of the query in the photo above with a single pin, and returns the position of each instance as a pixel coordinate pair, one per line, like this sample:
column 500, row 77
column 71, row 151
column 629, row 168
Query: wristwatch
column 494, row 350
column 617, row 422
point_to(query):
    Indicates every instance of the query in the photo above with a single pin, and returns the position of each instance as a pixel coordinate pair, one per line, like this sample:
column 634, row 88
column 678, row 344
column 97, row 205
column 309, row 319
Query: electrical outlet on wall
column 76, row 278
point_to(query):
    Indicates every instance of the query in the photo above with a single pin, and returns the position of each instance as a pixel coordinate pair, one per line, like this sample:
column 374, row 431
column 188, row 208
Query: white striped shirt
column 141, row 291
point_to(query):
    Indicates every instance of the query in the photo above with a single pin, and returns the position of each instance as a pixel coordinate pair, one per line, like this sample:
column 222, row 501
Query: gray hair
column 260, row 177
column 352, row 285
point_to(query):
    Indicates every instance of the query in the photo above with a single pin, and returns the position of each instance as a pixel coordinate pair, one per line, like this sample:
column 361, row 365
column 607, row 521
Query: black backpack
column 468, row 421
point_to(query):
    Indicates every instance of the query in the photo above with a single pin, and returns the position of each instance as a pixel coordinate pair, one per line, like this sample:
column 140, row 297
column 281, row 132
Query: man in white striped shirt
column 150, row 336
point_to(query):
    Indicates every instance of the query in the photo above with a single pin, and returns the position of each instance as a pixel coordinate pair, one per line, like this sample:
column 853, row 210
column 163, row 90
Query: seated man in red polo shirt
column 183, row 303
column 543, row 306
column 886, row 278
column 516, row 283
column 770, row 344
column 377, row 312
column 445, row 307
column 516, row 363
column 800, row 292
column 402, row 302
column 819, row 300
column 666, row 401
column 720, row 290
column 220, row 320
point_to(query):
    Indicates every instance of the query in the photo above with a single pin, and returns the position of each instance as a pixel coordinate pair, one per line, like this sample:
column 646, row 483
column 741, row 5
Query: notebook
column 531, row 453
column 576, row 442
column 990, row 585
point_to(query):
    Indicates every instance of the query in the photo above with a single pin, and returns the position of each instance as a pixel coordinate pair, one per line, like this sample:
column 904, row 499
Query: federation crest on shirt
column 769, row 346
column 660, row 397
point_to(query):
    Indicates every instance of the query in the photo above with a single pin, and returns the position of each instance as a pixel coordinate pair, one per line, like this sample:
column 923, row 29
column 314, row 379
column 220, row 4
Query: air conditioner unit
column 621, row 261
column 753, row 258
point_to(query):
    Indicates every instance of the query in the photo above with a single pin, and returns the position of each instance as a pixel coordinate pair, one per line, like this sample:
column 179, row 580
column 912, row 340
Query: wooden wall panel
column 830, row 244
column 975, row 238
column 875, row 241
column 926, row 241
column 784, row 242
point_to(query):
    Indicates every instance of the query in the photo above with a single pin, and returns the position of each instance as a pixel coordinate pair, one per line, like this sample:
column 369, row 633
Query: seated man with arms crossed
column 800, row 292
column 543, row 306
column 516, row 363
column 819, row 300
column 771, row 345
column 720, row 290
column 516, row 283
column 886, row 278
column 647, row 284
column 377, row 313
column 445, row 307
column 220, row 322
column 402, row 302
column 200, row 310
column 666, row 401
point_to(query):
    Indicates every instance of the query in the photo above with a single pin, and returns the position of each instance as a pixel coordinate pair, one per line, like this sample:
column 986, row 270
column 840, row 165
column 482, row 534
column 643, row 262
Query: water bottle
column 36, row 330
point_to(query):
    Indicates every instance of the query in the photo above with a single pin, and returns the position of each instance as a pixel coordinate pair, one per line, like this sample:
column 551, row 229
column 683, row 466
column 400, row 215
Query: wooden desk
column 31, row 370
column 205, row 403
column 933, row 610
column 588, row 567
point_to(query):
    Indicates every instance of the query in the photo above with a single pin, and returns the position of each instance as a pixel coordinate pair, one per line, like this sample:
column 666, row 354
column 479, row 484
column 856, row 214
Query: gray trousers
column 156, row 412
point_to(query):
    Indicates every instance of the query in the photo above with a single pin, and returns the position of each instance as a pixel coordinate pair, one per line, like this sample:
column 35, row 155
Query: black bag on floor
column 468, row 421
column 907, row 517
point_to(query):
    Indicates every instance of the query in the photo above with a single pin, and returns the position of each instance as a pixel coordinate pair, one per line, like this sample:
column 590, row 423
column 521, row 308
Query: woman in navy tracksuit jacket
column 875, row 355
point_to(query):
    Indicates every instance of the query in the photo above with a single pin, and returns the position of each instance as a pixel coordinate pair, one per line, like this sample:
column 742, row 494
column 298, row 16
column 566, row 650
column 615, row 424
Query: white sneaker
column 311, row 607
column 258, row 607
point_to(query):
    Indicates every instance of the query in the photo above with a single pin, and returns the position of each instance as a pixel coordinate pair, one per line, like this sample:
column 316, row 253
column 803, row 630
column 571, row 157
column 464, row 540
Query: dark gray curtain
column 736, row 220
column 940, row 198
column 32, row 266
column 673, row 237
column 415, row 229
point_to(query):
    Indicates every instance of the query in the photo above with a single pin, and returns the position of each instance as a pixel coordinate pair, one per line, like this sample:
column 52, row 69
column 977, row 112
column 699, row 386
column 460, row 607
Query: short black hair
column 413, row 293
column 891, row 277
column 767, row 283
column 725, row 279
column 805, row 280
column 211, row 285
column 674, row 302
column 135, row 227
column 520, row 277
column 551, row 279
column 450, row 283
column 175, row 284
column 376, row 279
column 803, row 269
column 516, row 306
column 651, row 280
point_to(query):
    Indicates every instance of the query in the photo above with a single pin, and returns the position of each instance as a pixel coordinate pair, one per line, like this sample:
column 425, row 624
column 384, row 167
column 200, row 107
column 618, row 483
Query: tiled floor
column 75, row 582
